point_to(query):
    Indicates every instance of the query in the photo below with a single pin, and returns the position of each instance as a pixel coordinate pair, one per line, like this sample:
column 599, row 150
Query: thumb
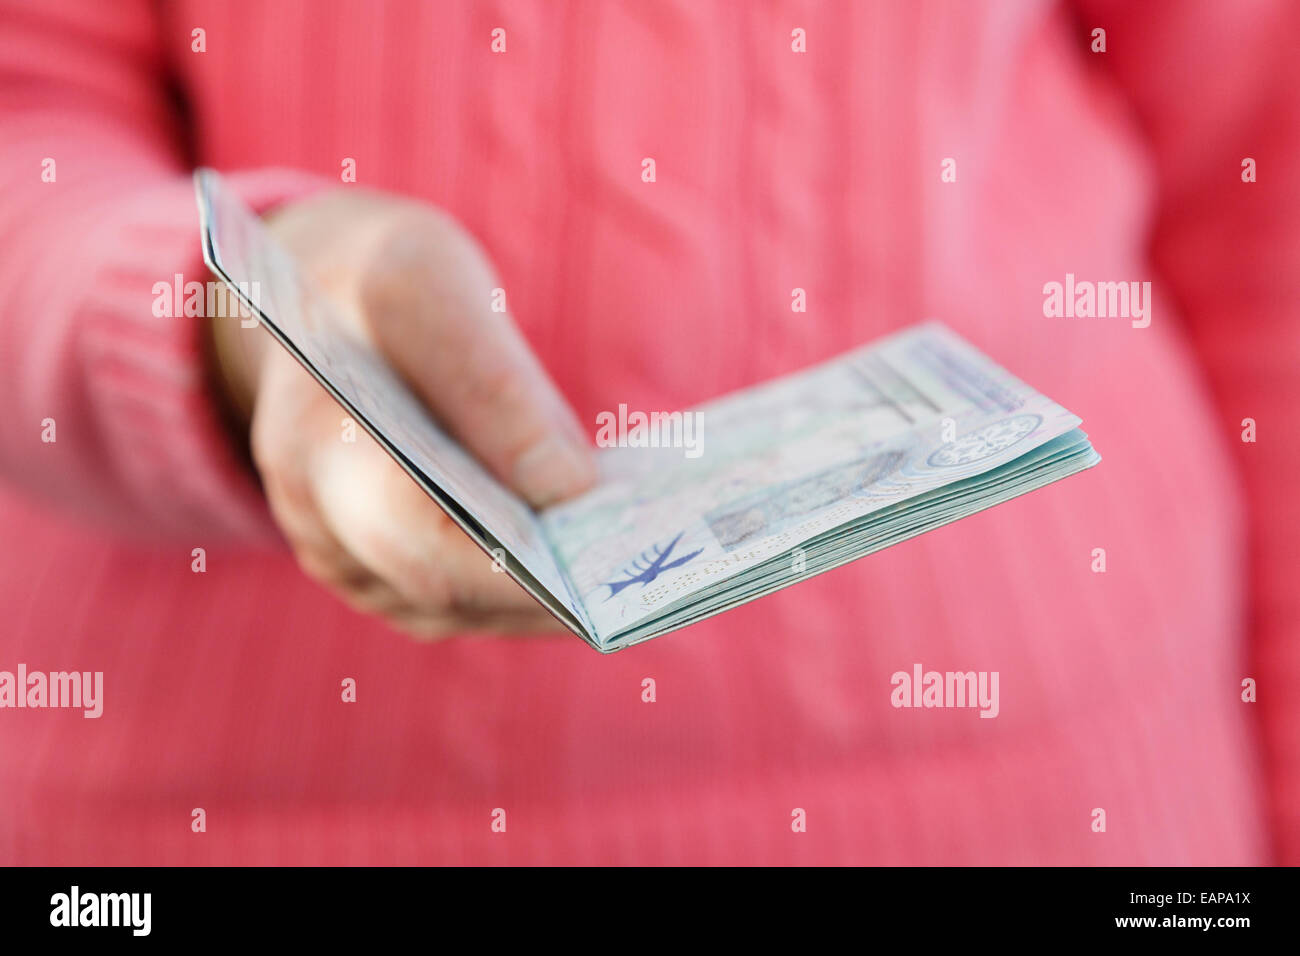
column 427, row 296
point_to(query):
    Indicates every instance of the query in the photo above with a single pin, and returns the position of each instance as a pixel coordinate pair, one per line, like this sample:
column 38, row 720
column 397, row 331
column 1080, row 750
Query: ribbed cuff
column 162, row 424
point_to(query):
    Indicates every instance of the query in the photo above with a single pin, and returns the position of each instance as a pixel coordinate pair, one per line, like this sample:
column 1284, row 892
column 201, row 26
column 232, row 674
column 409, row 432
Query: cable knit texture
column 775, row 170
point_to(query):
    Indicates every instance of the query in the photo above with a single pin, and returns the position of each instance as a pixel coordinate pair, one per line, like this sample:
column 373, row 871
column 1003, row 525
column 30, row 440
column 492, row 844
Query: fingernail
column 552, row 470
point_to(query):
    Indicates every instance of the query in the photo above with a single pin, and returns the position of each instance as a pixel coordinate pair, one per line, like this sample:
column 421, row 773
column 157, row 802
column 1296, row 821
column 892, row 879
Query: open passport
column 799, row 475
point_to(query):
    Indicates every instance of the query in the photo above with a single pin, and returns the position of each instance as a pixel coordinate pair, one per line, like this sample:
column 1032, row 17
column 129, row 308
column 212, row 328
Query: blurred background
column 897, row 161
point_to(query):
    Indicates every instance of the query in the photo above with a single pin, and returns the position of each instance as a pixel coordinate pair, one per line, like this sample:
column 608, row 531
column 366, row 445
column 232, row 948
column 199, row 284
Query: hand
column 419, row 288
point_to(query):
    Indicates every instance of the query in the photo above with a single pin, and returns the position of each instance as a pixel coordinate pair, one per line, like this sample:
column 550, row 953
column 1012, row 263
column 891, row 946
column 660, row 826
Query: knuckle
column 268, row 456
column 289, row 497
column 418, row 580
column 426, row 629
column 320, row 568
column 424, row 588
column 498, row 387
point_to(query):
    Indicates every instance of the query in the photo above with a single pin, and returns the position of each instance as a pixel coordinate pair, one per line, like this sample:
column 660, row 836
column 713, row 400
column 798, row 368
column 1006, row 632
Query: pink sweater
column 775, row 170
